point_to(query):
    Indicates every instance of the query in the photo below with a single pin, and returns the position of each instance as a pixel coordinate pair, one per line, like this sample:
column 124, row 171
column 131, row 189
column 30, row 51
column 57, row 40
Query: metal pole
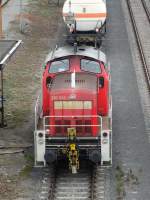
column 0, row 99
column 21, row 21
column 2, row 124
column 2, row 103
column 1, row 29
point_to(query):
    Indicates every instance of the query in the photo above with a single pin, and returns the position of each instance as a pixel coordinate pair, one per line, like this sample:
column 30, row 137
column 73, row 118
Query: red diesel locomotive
column 75, row 118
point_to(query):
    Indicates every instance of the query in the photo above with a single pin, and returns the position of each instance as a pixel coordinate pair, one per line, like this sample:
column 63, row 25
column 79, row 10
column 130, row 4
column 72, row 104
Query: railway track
column 87, row 184
column 141, row 27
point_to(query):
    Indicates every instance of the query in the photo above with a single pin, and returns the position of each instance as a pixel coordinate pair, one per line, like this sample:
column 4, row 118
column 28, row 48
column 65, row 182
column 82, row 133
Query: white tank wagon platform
column 86, row 19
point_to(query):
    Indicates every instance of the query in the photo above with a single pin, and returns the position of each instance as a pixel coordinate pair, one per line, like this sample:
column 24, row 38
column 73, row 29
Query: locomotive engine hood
column 76, row 85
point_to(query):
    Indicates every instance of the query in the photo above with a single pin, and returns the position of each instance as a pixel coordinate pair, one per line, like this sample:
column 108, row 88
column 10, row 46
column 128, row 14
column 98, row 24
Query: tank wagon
column 74, row 119
column 85, row 19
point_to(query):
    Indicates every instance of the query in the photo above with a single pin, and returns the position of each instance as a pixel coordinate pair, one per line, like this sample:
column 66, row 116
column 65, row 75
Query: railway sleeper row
column 60, row 184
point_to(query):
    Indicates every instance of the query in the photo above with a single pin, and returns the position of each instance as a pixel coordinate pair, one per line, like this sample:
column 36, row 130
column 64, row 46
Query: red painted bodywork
column 98, row 96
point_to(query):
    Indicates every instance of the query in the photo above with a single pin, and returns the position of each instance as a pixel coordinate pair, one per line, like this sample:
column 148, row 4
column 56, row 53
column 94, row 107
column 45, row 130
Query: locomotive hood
column 74, row 85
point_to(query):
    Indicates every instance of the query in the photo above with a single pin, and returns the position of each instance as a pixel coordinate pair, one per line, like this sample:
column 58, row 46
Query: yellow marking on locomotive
column 71, row 134
column 73, row 105
column 73, row 153
column 72, row 147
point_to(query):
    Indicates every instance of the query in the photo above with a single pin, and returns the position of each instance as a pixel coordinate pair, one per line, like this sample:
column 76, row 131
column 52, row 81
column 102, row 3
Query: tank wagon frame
column 86, row 37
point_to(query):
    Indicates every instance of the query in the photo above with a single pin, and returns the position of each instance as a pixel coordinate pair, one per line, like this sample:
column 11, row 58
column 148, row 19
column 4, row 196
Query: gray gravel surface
column 131, row 149
column 143, row 90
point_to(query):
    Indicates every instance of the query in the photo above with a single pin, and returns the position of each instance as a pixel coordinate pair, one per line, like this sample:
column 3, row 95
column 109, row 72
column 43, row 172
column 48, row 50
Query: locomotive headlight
column 105, row 134
column 105, row 138
column 41, row 138
column 97, row 30
column 40, row 135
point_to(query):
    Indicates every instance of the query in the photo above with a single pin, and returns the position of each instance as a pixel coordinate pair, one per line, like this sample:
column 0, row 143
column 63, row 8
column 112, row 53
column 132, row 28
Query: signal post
column 7, row 49
column 1, row 19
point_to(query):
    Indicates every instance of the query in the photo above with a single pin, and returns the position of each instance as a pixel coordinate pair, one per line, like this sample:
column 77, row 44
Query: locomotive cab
column 76, row 108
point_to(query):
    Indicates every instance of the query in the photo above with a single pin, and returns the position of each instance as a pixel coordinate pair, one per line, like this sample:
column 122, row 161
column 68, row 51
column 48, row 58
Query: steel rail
column 139, row 44
column 53, row 184
column 87, row 184
column 58, row 182
column 92, row 183
column 146, row 9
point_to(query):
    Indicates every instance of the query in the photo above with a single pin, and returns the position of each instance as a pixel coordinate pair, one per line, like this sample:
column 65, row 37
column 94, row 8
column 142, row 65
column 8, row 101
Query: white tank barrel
column 84, row 15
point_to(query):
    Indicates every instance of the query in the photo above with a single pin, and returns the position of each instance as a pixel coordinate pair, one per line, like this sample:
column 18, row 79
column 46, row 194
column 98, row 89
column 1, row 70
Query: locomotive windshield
column 90, row 66
column 59, row 66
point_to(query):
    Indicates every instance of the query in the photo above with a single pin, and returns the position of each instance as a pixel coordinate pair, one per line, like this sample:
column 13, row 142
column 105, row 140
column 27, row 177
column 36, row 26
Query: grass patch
column 29, row 158
column 22, row 78
column 25, row 172
column 128, row 179
column 131, row 178
column 120, row 183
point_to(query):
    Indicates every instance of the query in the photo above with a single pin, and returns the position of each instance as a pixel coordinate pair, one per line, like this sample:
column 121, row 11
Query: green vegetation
column 22, row 77
column 120, row 183
column 29, row 165
column 26, row 171
column 128, row 179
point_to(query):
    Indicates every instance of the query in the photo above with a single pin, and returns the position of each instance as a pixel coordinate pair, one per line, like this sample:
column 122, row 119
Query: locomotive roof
column 90, row 52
